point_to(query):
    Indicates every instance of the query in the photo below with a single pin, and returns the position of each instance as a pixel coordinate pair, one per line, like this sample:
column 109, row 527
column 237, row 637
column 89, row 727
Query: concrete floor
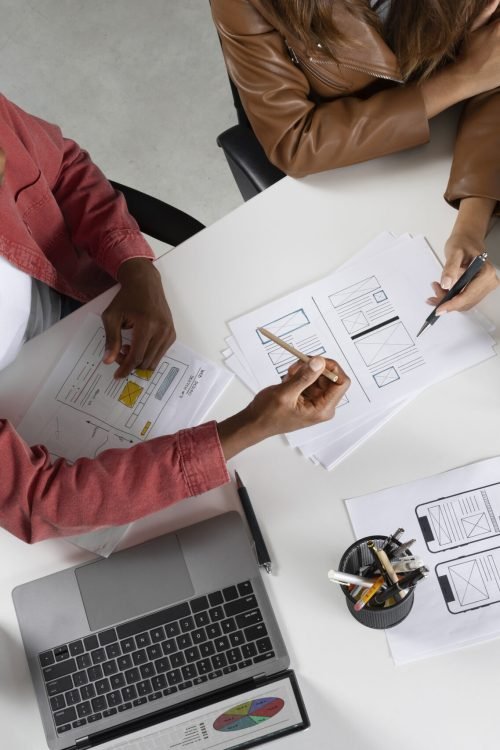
column 140, row 83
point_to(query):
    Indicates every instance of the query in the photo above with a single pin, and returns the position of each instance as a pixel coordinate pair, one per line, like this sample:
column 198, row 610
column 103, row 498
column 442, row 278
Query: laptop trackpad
column 133, row 582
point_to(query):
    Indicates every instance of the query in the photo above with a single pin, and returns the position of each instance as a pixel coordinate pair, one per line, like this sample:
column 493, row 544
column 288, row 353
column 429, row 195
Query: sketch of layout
column 355, row 291
column 461, row 519
column 286, row 324
column 144, row 374
column 377, row 332
column 91, row 389
column 384, row 343
column 471, row 581
column 130, row 393
column 296, row 330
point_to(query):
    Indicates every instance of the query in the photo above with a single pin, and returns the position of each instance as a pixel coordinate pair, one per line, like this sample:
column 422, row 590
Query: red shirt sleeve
column 95, row 214
column 41, row 499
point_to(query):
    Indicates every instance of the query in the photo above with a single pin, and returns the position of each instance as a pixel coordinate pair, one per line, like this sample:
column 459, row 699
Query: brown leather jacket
column 313, row 114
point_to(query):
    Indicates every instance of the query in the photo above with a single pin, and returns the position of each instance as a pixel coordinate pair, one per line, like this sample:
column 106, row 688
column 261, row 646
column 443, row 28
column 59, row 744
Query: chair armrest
column 158, row 219
column 250, row 166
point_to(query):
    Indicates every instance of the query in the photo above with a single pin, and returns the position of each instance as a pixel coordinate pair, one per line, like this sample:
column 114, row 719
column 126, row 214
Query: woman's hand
column 476, row 70
column 478, row 65
column 140, row 305
column 303, row 399
column 465, row 242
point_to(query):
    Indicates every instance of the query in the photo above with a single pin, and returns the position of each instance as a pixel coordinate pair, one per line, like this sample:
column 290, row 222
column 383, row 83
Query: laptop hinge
column 261, row 676
column 82, row 743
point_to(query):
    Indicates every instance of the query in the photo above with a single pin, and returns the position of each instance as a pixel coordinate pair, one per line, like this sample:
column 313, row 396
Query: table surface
column 294, row 233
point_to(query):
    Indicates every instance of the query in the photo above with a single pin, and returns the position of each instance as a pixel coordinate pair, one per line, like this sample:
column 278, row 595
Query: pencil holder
column 372, row 615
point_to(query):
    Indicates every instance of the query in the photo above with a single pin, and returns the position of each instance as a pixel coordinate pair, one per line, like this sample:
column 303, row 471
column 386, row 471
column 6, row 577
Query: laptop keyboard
column 142, row 660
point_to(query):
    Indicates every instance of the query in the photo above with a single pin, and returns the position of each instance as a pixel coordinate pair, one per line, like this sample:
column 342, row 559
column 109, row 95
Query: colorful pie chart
column 249, row 714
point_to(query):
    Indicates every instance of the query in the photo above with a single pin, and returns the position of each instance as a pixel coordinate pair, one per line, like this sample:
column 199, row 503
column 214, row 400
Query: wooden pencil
column 300, row 355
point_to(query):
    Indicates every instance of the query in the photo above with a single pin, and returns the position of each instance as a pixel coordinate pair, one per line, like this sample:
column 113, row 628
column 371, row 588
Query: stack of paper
column 365, row 315
column 454, row 519
column 82, row 410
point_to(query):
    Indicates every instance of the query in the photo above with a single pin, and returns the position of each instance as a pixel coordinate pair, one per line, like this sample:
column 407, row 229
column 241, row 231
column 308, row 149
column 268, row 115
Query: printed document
column 455, row 518
column 83, row 410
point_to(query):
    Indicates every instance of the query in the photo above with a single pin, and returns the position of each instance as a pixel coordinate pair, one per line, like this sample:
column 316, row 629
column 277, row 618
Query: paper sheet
column 365, row 315
column 82, row 410
column 256, row 715
column 455, row 519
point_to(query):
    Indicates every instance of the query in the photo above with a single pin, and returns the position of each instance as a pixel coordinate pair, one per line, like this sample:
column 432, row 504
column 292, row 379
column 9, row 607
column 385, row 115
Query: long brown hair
column 424, row 34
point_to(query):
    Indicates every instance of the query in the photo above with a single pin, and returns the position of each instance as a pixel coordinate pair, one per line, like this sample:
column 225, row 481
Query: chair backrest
column 158, row 219
column 242, row 115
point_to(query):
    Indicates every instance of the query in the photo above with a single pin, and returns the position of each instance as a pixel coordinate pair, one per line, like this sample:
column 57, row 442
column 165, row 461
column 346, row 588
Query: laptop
column 171, row 643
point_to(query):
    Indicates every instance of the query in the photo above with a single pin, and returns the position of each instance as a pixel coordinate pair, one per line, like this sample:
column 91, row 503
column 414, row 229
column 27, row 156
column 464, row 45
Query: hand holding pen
column 462, row 286
column 447, row 302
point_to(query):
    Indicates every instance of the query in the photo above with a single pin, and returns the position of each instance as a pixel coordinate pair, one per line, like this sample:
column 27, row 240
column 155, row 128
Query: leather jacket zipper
column 371, row 73
column 302, row 62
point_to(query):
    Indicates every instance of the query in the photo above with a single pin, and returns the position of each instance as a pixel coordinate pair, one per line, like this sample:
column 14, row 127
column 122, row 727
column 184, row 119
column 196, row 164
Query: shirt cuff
column 202, row 460
column 120, row 245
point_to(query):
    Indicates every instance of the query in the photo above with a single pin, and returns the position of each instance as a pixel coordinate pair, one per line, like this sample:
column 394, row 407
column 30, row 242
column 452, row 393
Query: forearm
column 241, row 431
column 444, row 89
column 474, row 217
column 41, row 499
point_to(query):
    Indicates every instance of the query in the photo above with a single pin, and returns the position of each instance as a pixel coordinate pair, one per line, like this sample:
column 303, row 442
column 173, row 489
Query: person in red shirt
column 65, row 233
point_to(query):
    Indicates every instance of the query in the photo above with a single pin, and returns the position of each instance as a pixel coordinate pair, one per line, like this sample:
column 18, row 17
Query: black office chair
column 158, row 219
column 250, row 166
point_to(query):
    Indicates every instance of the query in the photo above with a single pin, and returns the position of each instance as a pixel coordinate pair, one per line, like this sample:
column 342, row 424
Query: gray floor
column 140, row 83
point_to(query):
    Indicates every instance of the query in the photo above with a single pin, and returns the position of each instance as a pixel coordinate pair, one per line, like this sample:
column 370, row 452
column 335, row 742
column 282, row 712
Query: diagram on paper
column 133, row 405
column 470, row 582
column 296, row 329
column 460, row 519
column 379, row 335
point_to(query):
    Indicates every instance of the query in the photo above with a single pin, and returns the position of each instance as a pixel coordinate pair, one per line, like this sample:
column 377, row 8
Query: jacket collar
column 363, row 48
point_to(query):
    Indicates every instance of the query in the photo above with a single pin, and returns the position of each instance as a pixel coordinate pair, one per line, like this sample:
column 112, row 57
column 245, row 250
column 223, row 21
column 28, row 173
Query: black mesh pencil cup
column 373, row 615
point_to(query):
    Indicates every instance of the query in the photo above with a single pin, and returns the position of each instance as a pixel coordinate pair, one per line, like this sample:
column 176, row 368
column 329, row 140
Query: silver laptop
column 178, row 624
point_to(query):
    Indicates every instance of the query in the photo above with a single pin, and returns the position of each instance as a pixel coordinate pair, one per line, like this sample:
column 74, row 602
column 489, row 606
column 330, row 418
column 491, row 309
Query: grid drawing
column 476, row 525
column 386, row 377
column 354, row 291
column 385, row 342
column 356, row 322
column 287, row 324
column 469, row 584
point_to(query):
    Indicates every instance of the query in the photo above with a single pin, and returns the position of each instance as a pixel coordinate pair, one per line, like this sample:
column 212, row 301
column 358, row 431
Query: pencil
column 300, row 355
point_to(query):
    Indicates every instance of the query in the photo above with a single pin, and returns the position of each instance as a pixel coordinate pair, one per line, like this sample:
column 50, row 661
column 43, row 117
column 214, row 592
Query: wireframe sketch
column 285, row 325
column 356, row 322
column 144, row 374
column 130, row 393
column 384, row 343
column 355, row 292
column 471, row 581
column 380, row 336
column 386, row 377
column 302, row 337
column 458, row 520
column 134, row 405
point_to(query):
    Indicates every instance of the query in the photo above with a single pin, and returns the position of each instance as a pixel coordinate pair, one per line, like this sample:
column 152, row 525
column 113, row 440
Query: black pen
column 406, row 581
column 263, row 557
column 471, row 272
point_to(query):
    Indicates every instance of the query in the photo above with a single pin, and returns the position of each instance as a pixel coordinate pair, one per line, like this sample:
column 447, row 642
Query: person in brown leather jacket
column 328, row 83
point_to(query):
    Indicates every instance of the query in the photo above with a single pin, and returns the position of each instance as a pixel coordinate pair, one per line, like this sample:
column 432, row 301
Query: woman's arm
column 301, row 135
column 465, row 242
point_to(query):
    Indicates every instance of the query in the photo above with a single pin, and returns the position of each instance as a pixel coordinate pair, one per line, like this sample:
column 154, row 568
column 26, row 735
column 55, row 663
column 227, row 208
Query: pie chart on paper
column 248, row 715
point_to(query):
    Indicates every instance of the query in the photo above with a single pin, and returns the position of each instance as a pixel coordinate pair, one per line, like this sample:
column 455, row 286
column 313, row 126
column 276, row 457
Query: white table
column 296, row 232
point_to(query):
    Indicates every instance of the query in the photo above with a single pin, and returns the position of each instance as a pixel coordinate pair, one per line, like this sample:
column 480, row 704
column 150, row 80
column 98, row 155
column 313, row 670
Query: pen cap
column 373, row 615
